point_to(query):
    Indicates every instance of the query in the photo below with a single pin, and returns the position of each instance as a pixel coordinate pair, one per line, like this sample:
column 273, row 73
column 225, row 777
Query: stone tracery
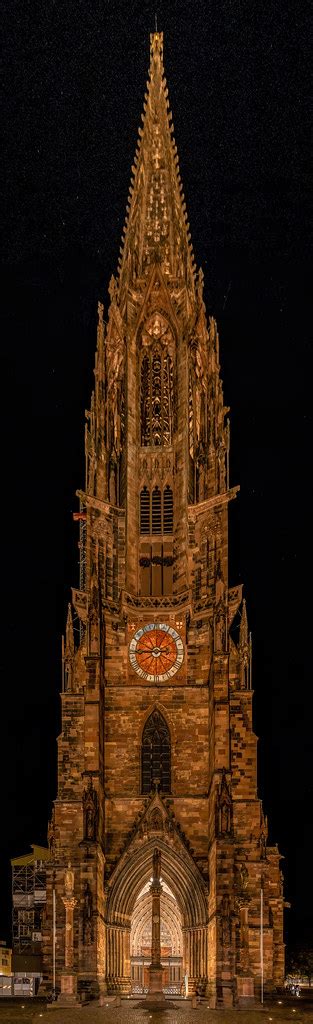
column 156, row 383
column 187, row 908
column 146, row 549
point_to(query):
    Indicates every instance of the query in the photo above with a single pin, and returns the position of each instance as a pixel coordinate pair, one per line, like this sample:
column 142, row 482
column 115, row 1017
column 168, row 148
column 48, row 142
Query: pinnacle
column 156, row 226
column 243, row 631
column 69, row 636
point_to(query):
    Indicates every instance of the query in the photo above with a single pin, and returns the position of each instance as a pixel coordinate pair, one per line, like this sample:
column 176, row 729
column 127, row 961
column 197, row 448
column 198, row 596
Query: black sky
column 238, row 83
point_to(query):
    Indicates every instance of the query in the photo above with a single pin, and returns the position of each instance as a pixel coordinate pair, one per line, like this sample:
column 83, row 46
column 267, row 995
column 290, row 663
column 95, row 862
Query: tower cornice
column 215, row 501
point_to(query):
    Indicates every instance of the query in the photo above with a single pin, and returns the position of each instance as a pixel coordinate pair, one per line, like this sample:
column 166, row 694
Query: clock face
column 156, row 652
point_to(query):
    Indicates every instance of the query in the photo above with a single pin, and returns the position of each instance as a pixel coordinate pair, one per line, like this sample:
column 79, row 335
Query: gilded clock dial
column 156, row 652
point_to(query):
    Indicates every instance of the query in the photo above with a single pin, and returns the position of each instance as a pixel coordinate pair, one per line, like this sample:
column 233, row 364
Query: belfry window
column 156, row 511
column 156, row 754
column 167, row 510
column 144, row 510
column 156, row 398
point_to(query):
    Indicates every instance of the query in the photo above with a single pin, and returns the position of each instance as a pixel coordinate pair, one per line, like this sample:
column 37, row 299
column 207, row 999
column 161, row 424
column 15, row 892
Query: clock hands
column 156, row 652
column 162, row 657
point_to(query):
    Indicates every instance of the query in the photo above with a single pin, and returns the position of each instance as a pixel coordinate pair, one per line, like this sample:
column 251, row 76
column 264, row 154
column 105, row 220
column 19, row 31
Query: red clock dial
column 156, row 651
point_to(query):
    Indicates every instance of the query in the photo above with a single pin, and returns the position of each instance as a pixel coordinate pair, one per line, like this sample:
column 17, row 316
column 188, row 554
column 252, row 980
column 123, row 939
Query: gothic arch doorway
column 185, row 915
column 171, row 941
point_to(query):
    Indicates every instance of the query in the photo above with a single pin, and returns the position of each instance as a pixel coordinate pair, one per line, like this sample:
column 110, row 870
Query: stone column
column 244, row 939
column 245, row 980
column 68, row 993
column 155, row 889
column 69, row 904
column 156, row 993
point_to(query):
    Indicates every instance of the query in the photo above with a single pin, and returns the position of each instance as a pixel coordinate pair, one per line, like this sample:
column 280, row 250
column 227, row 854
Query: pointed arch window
column 144, row 510
column 156, row 511
column 156, row 398
column 167, row 510
column 156, row 754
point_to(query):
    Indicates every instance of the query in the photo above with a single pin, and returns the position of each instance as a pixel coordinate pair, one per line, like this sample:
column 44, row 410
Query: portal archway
column 127, row 910
column 171, row 941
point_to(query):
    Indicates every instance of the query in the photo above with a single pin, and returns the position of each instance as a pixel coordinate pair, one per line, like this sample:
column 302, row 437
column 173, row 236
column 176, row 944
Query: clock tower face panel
column 156, row 652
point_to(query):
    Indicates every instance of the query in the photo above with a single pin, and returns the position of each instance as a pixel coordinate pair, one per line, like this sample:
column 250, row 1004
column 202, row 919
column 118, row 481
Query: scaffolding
column 28, row 899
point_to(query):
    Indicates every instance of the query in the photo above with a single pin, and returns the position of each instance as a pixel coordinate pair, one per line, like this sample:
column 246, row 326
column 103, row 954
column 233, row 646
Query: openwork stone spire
column 156, row 228
column 157, row 640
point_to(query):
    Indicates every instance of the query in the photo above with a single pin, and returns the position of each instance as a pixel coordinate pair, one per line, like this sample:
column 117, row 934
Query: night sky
column 237, row 74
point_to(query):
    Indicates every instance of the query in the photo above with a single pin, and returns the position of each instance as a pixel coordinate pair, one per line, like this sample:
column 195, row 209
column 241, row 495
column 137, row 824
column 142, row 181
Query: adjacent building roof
column 38, row 853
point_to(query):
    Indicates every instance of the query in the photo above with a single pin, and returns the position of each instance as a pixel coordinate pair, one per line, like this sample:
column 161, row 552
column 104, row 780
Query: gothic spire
column 156, row 228
column 243, row 629
column 69, row 634
column 245, row 648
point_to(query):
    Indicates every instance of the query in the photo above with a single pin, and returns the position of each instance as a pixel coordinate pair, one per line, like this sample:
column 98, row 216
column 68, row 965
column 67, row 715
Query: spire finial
column 156, row 22
column 156, row 45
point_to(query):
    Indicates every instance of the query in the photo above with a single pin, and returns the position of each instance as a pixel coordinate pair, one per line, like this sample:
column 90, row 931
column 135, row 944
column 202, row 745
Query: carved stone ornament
column 225, row 920
column 156, row 864
column 51, row 833
column 224, row 807
column 241, row 885
column 94, row 614
column 155, row 822
column 263, row 835
column 90, row 809
column 220, row 628
column 87, row 914
column 69, row 881
column 157, row 329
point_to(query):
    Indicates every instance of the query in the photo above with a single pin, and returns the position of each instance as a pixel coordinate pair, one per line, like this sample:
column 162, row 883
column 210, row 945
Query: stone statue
column 90, row 807
column 156, row 863
column 90, row 823
column 220, row 628
column 223, row 807
column 69, row 881
column 156, row 821
column 243, row 877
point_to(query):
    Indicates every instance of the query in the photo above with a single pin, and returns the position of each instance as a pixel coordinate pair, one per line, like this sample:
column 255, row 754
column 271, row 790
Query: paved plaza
column 31, row 1012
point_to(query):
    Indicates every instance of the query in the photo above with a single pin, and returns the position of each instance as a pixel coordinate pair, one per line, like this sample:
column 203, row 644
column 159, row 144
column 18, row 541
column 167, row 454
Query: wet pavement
column 130, row 1012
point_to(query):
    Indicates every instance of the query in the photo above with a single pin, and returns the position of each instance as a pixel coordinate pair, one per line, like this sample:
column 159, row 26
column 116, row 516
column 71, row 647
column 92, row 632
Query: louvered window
column 145, row 510
column 156, row 511
column 168, row 510
column 156, row 754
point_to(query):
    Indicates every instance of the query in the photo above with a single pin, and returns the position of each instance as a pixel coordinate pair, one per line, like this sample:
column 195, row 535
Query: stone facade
column 153, row 522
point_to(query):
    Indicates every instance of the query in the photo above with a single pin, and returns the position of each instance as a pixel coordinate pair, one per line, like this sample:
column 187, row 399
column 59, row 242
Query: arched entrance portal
column 184, row 914
column 171, row 941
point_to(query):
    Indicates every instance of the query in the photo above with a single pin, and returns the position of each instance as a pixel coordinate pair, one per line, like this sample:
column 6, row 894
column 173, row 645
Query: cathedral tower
column 157, row 745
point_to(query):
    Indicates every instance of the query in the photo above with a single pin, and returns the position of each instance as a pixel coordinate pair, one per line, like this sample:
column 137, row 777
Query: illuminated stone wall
column 158, row 420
